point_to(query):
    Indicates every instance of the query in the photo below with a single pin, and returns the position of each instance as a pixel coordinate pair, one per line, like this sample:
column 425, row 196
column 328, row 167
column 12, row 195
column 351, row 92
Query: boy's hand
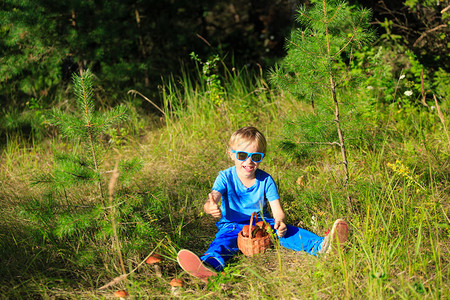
column 211, row 207
column 280, row 227
column 279, row 216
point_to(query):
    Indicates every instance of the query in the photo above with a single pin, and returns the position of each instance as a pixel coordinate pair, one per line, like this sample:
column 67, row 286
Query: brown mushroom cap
column 245, row 230
column 176, row 282
column 121, row 293
column 155, row 258
column 260, row 233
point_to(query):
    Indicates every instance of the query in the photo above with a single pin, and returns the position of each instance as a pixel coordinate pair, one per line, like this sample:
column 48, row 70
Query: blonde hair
column 247, row 135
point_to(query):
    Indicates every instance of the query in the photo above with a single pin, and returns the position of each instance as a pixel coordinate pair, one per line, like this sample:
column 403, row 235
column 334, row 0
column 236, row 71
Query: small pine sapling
column 86, row 125
column 318, row 59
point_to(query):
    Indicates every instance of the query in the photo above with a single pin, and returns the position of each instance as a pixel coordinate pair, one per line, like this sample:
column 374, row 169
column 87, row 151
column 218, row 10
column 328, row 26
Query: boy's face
column 245, row 169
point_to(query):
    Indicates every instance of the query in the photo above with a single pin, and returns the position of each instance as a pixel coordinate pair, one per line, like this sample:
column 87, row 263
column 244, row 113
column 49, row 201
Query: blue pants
column 224, row 246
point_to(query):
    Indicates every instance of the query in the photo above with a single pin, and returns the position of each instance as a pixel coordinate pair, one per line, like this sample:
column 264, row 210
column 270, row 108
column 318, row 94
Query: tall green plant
column 317, row 63
column 85, row 227
column 86, row 126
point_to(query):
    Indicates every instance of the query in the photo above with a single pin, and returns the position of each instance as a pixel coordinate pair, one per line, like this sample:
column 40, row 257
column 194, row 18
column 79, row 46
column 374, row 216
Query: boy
column 245, row 189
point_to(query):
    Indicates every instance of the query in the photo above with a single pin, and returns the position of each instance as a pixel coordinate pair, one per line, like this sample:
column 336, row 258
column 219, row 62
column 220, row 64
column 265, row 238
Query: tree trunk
column 335, row 101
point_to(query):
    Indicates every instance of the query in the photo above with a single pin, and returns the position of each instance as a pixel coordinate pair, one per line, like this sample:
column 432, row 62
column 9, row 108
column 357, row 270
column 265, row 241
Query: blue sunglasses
column 256, row 157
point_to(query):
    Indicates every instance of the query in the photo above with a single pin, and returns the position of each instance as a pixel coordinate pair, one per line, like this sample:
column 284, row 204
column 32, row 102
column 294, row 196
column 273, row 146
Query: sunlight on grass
column 59, row 244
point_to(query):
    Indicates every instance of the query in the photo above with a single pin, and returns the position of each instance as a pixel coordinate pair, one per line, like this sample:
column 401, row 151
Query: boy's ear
column 231, row 154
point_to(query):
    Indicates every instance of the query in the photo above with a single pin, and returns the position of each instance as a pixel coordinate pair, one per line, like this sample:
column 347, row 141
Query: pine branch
column 350, row 40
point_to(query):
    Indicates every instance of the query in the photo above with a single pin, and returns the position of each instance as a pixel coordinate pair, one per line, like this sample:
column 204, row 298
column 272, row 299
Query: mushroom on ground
column 176, row 284
column 121, row 294
column 154, row 260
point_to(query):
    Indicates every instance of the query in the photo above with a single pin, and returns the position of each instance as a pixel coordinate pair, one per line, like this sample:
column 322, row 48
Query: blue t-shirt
column 238, row 201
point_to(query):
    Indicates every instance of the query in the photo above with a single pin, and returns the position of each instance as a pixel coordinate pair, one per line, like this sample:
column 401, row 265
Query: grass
column 60, row 243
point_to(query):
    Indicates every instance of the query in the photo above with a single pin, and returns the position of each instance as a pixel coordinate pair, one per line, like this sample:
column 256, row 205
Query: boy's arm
column 279, row 216
column 211, row 206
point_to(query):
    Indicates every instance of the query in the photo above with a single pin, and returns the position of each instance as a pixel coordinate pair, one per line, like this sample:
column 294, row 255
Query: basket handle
column 251, row 222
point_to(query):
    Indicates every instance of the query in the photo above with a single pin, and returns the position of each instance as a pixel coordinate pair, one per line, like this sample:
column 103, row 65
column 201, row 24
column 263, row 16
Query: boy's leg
column 223, row 247
column 300, row 239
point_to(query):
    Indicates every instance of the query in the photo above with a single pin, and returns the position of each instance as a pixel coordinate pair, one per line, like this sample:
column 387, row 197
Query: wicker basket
column 253, row 245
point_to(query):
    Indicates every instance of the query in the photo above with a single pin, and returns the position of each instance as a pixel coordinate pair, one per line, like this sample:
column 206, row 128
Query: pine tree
column 317, row 64
column 87, row 126
column 83, row 231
